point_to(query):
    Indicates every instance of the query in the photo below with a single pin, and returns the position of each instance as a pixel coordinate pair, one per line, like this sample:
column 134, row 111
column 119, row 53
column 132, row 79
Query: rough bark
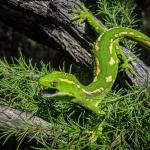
column 47, row 22
column 21, row 121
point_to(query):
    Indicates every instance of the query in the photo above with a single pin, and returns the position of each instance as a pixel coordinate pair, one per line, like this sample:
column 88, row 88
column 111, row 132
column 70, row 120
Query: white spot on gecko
column 108, row 79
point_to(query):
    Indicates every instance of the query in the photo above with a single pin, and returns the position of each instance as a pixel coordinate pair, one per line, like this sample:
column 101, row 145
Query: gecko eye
column 54, row 84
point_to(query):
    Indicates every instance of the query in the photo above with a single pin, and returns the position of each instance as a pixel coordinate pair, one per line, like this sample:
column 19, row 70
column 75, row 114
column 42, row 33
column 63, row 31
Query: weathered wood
column 49, row 22
column 21, row 121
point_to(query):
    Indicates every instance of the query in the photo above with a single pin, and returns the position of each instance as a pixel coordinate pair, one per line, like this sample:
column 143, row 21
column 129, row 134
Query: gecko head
column 58, row 84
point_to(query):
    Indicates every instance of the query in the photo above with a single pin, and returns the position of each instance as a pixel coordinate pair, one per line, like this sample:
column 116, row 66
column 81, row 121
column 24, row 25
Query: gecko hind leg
column 126, row 61
column 126, row 65
column 96, row 133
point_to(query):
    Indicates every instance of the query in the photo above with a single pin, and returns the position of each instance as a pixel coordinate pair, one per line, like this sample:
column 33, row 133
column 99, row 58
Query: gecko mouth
column 50, row 92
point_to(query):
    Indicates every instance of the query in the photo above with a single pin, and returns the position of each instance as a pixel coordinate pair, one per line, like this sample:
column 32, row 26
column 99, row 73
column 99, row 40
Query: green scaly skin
column 106, row 51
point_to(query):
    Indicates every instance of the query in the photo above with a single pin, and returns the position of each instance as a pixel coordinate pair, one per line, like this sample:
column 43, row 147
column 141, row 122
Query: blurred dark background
column 143, row 9
column 13, row 42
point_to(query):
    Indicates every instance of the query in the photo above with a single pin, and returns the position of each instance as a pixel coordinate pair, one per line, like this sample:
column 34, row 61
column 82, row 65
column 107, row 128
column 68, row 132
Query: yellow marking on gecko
column 97, row 70
column 112, row 28
column 147, row 42
column 78, row 86
column 123, row 33
column 116, row 35
column 108, row 79
column 120, row 34
column 99, row 38
column 111, row 61
column 131, row 33
column 110, row 48
column 99, row 90
column 66, row 80
column 70, row 82
column 97, row 42
column 139, row 36
column 96, row 46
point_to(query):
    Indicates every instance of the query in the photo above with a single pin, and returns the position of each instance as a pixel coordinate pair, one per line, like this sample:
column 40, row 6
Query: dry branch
column 21, row 121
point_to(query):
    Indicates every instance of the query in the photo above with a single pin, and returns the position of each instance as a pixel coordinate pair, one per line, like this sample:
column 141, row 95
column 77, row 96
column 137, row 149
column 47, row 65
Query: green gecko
column 106, row 61
column 106, row 51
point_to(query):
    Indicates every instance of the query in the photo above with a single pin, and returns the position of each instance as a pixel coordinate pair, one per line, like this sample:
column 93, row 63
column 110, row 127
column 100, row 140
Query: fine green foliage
column 119, row 14
column 15, row 84
column 126, row 121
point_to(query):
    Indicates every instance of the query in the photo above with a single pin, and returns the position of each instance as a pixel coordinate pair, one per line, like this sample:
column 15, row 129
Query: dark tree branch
column 16, row 118
column 21, row 121
column 49, row 22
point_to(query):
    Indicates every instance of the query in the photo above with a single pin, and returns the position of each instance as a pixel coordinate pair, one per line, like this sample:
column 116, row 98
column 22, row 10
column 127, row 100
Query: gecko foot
column 126, row 65
column 96, row 133
column 82, row 14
